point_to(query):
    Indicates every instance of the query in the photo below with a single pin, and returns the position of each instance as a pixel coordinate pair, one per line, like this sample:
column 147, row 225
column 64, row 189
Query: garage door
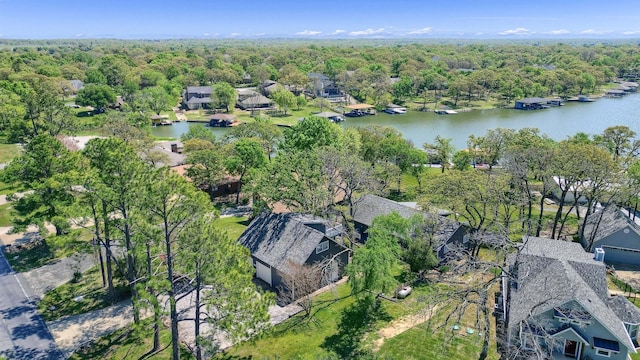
column 263, row 272
column 621, row 256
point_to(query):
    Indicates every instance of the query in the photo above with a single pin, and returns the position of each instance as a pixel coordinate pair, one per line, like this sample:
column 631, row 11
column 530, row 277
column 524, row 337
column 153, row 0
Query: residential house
column 244, row 93
column 323, row 87
column 255, row 102
column 197, row 97
column 268, row 87
column 278, row 240
column 226, row 186
column 166, row 153
column 449, row 234
column 611, row 230
column 574, row 190
column 557, row 306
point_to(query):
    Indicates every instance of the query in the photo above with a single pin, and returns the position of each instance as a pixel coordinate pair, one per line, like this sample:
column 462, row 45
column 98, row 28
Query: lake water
column 557, row 122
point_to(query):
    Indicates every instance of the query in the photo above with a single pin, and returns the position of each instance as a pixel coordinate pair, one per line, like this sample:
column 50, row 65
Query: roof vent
column 599, row 254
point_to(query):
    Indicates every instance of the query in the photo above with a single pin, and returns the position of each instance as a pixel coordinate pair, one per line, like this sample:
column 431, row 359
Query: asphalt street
column 23, row 333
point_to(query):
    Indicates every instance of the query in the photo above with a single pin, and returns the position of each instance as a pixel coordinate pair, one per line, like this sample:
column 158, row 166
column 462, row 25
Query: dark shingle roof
column 624, row 309
column 369, row 206
column 199, row 90
column 551, row 273
column 198, row 100
column 605, row 222
column 277, row 238
column 255, row 100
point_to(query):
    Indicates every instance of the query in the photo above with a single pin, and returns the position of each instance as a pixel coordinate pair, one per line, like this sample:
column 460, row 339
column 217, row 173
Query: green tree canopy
column 312, row 132
column 223, row 95
column 47, row 168
column 97, row 96
column 199, row 131
column 371, row 269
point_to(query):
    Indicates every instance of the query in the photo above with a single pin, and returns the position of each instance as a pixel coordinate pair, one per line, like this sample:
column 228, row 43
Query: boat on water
column 445, row 112
column 584, row 98
column 395, row 109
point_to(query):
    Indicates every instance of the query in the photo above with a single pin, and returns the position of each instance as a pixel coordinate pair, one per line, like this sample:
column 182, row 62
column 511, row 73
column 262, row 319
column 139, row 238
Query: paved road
column 23, row 333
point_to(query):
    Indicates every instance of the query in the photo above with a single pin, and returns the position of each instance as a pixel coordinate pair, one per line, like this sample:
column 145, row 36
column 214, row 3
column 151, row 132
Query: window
column 604, row 353
column 323, row 246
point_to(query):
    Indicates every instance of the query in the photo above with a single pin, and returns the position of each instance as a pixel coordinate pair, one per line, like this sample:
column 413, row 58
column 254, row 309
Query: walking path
column 179, row 114
column 52, row 275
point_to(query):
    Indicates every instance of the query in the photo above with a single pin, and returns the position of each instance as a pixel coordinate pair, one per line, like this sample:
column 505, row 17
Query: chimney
column 599, row 255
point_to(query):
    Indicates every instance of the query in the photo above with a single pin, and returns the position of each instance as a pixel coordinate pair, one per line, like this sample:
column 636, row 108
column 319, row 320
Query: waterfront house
column 197, row 97
column 276, row 241
column 613, row 231
column 555, row 305
column 323, row 87
column 255, row 102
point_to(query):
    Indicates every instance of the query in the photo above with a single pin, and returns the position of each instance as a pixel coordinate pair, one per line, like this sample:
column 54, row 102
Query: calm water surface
column 557, row 122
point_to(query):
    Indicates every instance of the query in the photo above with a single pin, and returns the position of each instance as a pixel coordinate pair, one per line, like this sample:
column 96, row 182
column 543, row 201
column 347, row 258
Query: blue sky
column 38, row 19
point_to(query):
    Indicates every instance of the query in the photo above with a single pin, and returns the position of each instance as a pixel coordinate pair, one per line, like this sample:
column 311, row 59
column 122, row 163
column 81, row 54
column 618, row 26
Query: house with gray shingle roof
column 278, row 240
column 557, row 305
column 449, row 234
column 196, row 97
column 614, row 232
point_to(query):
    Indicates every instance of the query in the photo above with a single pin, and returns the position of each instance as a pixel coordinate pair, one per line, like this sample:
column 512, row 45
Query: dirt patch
column 630, row 276
column 401, row 325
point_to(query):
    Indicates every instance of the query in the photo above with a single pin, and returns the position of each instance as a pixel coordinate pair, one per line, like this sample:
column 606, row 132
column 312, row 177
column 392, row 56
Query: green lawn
column 89, row 286
column 233, row 225
column 343, row 328
column 131, row 343
column 52, row 248
column 8, row 152
column 5, row 215
column 298, row 338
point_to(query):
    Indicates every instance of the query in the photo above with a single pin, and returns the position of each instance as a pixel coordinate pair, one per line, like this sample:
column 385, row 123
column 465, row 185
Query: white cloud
column 517, row 31
column 79, row 35
column 309, row 33
column 637, row 32
column 338, row 32
column 205, row 34
column 558, row 32
column 235, row 34
column 366, row 32
column 422, row 31
column 478, row 34
column 592, row 32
